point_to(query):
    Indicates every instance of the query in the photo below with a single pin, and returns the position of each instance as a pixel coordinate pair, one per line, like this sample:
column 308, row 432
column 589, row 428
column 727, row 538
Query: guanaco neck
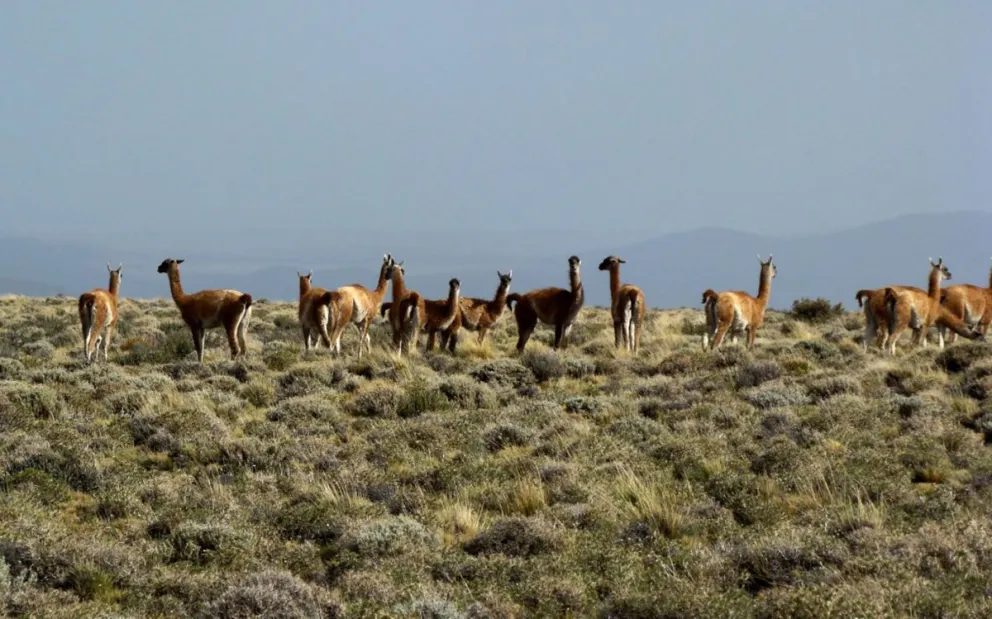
column 399, row 286
column 304, row 286
column 380, row 286
column 114, row 287
column 175, row 286
column 614, row 282
column 452, row 302
column 575, row 279
column 499, row 299
column 933, row 286
column 764, row 286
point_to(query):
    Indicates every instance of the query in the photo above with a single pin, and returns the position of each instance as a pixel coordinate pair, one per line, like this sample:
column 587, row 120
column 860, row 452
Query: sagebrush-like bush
column 815, row 311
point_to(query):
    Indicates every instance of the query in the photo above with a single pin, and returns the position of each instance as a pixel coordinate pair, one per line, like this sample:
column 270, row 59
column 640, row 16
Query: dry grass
column 805, row 478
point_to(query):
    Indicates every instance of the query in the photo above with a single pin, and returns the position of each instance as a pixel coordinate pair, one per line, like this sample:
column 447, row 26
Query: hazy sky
column 647, row 116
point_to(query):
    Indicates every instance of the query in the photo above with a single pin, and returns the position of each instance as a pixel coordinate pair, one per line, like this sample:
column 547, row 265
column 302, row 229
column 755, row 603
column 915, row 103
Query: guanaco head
column 611, row 261
column 767, row 268
column 940, row 266
column 454, row 285
column 305, row 281
column 505, row 278
column 573, row 264
column 393, row 267
column 116, row 274
column 168, row 264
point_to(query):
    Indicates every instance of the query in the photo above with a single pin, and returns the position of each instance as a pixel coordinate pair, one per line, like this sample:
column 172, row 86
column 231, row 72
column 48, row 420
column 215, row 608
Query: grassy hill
column 808, row 479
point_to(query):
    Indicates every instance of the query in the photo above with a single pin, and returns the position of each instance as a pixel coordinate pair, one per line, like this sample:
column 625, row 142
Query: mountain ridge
column 672, row 269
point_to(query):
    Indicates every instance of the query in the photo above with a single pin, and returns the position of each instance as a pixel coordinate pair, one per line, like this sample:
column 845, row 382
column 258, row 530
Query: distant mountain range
column 672, row 269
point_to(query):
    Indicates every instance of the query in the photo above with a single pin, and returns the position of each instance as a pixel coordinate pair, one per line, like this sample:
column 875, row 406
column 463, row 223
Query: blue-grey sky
column 645, row 117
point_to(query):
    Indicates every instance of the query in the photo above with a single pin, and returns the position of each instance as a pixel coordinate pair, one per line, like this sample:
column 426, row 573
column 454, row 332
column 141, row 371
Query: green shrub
column 815, row 311
column 381, row 401
column 515, row 537
column 545, row 365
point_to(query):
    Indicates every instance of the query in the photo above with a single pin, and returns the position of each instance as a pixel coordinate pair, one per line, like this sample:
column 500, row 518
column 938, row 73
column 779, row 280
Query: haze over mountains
column 672, row 269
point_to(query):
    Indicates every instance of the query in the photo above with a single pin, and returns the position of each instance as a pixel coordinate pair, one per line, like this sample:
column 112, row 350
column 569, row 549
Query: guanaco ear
column 621, row 261
column 120, row 267
column 109, row 268
column 180, row 261
column 510, row 274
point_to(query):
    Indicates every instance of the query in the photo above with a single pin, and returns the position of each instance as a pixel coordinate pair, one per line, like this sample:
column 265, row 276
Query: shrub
column 962, row 356
column 818, row 349
column 824, row 388
column 127, row 403
column 421, row 397
column 545, row 365
column 10, row 369
column 504, row 373
column 815, row 311
column 36, row 401
column 583, row 405
column 259, row 393
column 306, row 520
column 390, row 536
column 692, row 327
column 433, row 608
column 381, row 401
column 506, row 435
column 515, row 537
column 789, row 560
column 74, row 467
column 271, row 594
column 753, row 374
column 774, row 396
column 42, row 349
column 579, row 367
column 463, row 392
column 205, row 543
column 280, row 356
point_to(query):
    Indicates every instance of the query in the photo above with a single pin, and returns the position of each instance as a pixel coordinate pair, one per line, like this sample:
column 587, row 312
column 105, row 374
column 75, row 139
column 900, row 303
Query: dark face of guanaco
column 609, row 261
column 168, row 263
column 505, row 278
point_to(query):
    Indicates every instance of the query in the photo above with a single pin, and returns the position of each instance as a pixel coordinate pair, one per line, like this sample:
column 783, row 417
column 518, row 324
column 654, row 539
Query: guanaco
column 478, row 315
column 552, row 306
column 210, row 309
column 626, row 306
column 971, row 304
column 876, row 309
column 405, row 311
column 439, row 315
column 97, row 311
column 737, row 311
column 915, row 310
column 314, row 311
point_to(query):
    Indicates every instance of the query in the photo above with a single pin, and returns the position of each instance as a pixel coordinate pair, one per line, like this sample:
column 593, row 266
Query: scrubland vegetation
column 805, row 479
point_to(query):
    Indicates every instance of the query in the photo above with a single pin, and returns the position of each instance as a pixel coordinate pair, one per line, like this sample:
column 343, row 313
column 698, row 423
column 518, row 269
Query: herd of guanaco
column 962, row 309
